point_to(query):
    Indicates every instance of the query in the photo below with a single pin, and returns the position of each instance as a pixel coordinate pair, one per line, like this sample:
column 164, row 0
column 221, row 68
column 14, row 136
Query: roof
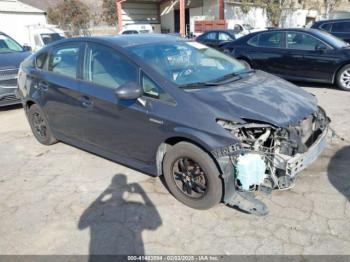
column 137, row 39
column 332, row 21
column 14, row 6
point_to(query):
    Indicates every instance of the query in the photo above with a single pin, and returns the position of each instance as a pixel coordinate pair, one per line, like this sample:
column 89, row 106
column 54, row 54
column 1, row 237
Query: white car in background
column 241, row 29
column 137, row 29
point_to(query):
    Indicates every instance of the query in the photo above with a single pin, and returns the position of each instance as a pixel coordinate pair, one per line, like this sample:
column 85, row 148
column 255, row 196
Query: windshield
column 8, row 45
column 49, row 38
column 185, row 63
column 335, row 41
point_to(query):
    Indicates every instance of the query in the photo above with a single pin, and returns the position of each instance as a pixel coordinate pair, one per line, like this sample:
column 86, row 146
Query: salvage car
column 296, row 54
column 167, row 106
column 11, row 55
column 216, row 38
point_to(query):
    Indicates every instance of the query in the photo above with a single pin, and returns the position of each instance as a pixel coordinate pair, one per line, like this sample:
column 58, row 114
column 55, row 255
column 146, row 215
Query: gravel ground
column 61, row 200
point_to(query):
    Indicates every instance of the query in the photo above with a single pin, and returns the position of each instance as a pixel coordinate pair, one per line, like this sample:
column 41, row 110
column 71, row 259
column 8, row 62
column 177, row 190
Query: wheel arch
column 334, row 78
column 172, row 141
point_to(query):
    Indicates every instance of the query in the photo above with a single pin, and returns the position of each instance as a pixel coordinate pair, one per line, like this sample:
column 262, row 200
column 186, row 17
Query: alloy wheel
column 345, row 78
column 189, row 177
column 39, row 125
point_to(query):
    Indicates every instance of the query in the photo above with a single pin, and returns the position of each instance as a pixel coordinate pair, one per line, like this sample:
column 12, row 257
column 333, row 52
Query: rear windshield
column 49, row 38
column 8, row 45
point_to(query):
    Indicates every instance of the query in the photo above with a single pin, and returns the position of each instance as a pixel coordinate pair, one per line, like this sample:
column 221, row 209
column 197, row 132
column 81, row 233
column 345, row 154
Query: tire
column 204, row 174
column 343, row 78
column 245, row 63
column 40, row 127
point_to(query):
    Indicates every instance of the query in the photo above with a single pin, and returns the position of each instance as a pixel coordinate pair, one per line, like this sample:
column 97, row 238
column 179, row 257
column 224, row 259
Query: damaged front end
column 268, row 157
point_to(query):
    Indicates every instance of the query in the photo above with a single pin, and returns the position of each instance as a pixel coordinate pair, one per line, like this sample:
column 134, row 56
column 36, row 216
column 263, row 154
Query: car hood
column 259, row 97
column 12, row 60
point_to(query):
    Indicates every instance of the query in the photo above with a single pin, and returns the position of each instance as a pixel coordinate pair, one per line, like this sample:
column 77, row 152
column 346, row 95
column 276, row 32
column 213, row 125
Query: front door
column 309, row 58
column 116, row 126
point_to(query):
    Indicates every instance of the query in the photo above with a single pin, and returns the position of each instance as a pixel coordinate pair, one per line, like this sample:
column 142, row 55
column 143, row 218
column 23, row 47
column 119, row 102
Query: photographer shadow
column 117, row 218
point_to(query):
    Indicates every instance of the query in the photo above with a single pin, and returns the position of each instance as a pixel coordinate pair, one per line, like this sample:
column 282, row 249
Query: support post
column 119, row 14
column 221, row 10
column 182, row 18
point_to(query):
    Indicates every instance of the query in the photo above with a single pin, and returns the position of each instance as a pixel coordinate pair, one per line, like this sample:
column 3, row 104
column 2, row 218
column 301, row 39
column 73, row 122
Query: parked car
column 137, row 29
column 296, row 54
column 339, row 27
column 216, row 38
column 11, row 55
column 168, row 106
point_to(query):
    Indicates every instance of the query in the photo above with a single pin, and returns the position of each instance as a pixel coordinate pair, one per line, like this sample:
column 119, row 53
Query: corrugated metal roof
column 14, row 6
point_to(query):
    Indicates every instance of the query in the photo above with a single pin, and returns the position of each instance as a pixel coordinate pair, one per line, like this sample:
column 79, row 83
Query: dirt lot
column 61, row 200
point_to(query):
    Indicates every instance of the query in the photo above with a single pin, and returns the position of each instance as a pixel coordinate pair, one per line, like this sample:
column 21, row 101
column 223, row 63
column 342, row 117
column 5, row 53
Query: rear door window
column 326, row 27
column 210, row 36
column 224, row 37
column 64, row 60
column 341, row 27
column 106, row 67
column 271, row 39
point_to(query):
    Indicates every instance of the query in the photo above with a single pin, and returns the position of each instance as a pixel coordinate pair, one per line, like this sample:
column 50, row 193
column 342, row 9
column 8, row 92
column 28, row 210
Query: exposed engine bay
column 269, row 157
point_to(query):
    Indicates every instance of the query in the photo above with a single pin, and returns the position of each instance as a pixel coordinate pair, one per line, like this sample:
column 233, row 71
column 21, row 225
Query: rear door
column 59, row 89
column 266, row 52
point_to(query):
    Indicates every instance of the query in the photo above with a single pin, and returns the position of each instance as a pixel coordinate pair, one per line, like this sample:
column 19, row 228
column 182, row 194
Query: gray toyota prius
column 216, row 130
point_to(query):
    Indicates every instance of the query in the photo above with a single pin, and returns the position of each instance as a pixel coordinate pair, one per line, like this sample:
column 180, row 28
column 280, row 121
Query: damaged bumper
column 269, row 158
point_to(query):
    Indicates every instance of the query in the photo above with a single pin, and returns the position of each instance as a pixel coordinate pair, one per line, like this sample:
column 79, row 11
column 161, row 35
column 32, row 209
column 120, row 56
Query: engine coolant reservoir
column 250, row 170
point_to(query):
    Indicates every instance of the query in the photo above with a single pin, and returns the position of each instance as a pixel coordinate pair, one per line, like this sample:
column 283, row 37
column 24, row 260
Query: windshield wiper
column 233, row 76
column 198, row 85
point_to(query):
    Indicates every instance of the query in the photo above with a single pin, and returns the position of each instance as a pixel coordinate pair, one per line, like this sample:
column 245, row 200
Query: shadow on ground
column 339, row 171
column 117, row 218
column 11, row 107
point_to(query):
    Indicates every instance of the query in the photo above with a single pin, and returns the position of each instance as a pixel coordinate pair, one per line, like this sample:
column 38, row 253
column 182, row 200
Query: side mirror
column 129, row 91
column 321, row 47
column 27, row 48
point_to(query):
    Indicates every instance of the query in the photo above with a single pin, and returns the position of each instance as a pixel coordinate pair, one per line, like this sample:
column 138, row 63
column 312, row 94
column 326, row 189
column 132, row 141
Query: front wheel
column 343, row 78
column 192, row 176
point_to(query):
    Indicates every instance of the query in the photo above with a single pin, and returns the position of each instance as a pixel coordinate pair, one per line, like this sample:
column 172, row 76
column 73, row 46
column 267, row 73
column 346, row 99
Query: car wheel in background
column 39, row 125
column 192, row 176
column 343, row 78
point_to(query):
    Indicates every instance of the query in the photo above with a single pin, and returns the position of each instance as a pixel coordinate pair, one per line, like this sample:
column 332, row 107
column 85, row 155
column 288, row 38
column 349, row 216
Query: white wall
column 167, row 16
column 211, row 8
column 15, row 24
column 255, row 17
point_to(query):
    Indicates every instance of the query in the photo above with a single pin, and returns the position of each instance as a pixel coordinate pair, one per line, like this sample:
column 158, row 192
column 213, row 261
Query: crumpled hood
column 12, row 60
column 260, row 97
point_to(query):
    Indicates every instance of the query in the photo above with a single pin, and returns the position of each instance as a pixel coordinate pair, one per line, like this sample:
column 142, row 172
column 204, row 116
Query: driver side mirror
column 27, row 48
column 129, row 91
column 321, row 47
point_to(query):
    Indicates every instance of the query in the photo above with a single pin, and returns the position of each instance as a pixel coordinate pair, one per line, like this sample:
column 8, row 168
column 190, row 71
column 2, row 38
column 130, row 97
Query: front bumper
column 8, row 95
column 296, row 164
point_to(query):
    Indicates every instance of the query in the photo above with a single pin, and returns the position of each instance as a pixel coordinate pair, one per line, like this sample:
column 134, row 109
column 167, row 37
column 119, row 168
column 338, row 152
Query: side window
column 40, row 60
column 326, row 27
column 106, row 67
column 64, row 60
column 224, row 37
column 301, row 41
column 343, row 27
column 272, row 39
column 253, row 41
column 210, row 36
column 151, row 89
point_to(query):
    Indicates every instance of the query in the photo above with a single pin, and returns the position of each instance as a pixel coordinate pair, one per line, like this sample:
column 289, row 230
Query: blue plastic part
column 250, row 170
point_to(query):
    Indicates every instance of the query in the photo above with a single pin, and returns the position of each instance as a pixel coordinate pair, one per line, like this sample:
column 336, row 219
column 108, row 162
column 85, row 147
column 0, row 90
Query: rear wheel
column 343, row 78
column 39, row 126
column 192, row 176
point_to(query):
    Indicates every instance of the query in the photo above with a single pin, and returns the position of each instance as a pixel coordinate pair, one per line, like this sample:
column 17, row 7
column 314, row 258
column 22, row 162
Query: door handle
column 43, row 85
column 87, row 102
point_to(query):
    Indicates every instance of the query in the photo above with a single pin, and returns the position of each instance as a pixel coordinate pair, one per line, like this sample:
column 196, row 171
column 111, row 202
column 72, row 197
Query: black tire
column 245, row 63
column 40, row 127
column 343, row 74
column 207, row 171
